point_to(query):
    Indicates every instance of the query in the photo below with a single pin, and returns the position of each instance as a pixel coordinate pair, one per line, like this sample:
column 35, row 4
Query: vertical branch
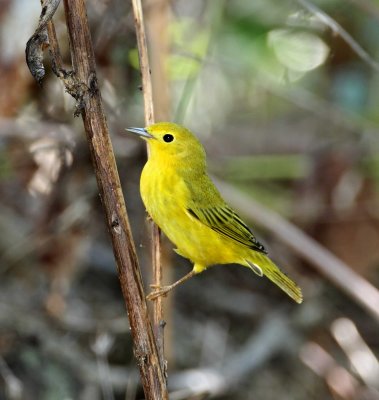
column 144, row 62
column 54, row 48
column 89, row 100
column 149, row 119
column 157, row 24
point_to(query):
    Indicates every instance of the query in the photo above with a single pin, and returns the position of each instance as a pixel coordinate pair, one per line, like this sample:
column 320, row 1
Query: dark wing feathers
column 226, row 222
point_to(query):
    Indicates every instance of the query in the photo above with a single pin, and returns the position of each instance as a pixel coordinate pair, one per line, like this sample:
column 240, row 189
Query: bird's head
column 172, row 143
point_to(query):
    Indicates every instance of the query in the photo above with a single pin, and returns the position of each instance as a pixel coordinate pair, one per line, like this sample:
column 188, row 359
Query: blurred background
column 284, row 96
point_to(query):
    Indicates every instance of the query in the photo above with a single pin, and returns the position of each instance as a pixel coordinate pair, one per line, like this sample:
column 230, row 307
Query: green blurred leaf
column 190, row 43
column 298, row 50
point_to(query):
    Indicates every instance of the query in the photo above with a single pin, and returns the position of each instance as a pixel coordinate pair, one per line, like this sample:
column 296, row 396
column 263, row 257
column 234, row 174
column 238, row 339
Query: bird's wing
column 225, row 221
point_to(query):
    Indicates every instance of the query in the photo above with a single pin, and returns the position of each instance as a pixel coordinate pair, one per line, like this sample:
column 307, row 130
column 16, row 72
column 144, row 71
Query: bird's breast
column 164, row 194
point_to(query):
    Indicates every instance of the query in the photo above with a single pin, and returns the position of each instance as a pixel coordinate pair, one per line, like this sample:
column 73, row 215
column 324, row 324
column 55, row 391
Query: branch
column 149, row 119
column 337, row 28
column 323, row 260
column 110, row 191
column 82, row 84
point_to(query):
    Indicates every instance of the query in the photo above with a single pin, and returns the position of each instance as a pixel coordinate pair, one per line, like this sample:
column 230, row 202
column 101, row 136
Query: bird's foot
column 158, row 291
column 163, row 290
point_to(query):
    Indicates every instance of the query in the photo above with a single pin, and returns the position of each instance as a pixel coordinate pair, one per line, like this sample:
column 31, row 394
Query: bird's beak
column 141, row 132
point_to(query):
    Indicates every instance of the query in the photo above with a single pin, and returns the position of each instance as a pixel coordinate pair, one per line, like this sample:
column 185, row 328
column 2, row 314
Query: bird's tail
column 261, row 264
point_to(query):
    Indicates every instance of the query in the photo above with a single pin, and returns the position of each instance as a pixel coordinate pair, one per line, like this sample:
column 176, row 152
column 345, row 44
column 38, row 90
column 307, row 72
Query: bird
column 182, row 200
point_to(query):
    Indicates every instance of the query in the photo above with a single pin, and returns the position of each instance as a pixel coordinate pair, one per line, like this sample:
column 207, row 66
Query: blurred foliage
column 287, row 111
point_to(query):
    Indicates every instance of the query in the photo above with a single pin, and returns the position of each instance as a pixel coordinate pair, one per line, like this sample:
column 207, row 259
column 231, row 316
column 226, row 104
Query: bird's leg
column 163, row 290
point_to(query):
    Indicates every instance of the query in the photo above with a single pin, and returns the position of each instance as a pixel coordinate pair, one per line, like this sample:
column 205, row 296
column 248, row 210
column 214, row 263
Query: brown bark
column 108, row 181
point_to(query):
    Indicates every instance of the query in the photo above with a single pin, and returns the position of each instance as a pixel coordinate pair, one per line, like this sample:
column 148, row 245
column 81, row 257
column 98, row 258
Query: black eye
column 168, row 138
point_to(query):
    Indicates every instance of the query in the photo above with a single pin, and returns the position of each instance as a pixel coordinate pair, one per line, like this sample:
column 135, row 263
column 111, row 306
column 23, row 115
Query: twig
column 356, row 349
column 157, row 26
column 82, row 84
column 325, row 262
column 54, row 49
column 143, row 61
column 114, row 206
column 325, row 366
column 337, row 28
column 149, row 119
column 342, row 383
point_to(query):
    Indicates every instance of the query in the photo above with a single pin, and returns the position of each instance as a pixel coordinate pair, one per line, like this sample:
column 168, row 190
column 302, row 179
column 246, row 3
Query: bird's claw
column 157, row 292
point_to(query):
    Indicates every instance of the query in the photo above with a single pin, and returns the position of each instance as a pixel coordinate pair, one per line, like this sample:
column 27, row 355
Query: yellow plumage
column 183, row 201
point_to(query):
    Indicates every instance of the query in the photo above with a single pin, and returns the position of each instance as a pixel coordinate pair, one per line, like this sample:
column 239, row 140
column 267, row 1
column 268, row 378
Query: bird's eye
column 168, row 138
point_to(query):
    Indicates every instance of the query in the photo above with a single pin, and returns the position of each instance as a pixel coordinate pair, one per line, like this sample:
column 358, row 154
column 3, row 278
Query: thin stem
column 144, row 62
column 149, row 119
column 337, row 28
column 54, row 48
column 91, row 108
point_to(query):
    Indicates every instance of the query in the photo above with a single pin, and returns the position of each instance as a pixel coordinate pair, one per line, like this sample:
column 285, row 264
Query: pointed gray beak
column 141, row 132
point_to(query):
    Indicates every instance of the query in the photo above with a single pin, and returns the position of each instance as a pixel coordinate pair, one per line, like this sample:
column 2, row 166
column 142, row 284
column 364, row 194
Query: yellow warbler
column 183, row 201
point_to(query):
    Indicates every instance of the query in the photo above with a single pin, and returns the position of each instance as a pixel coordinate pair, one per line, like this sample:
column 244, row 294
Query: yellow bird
column 183, row 201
